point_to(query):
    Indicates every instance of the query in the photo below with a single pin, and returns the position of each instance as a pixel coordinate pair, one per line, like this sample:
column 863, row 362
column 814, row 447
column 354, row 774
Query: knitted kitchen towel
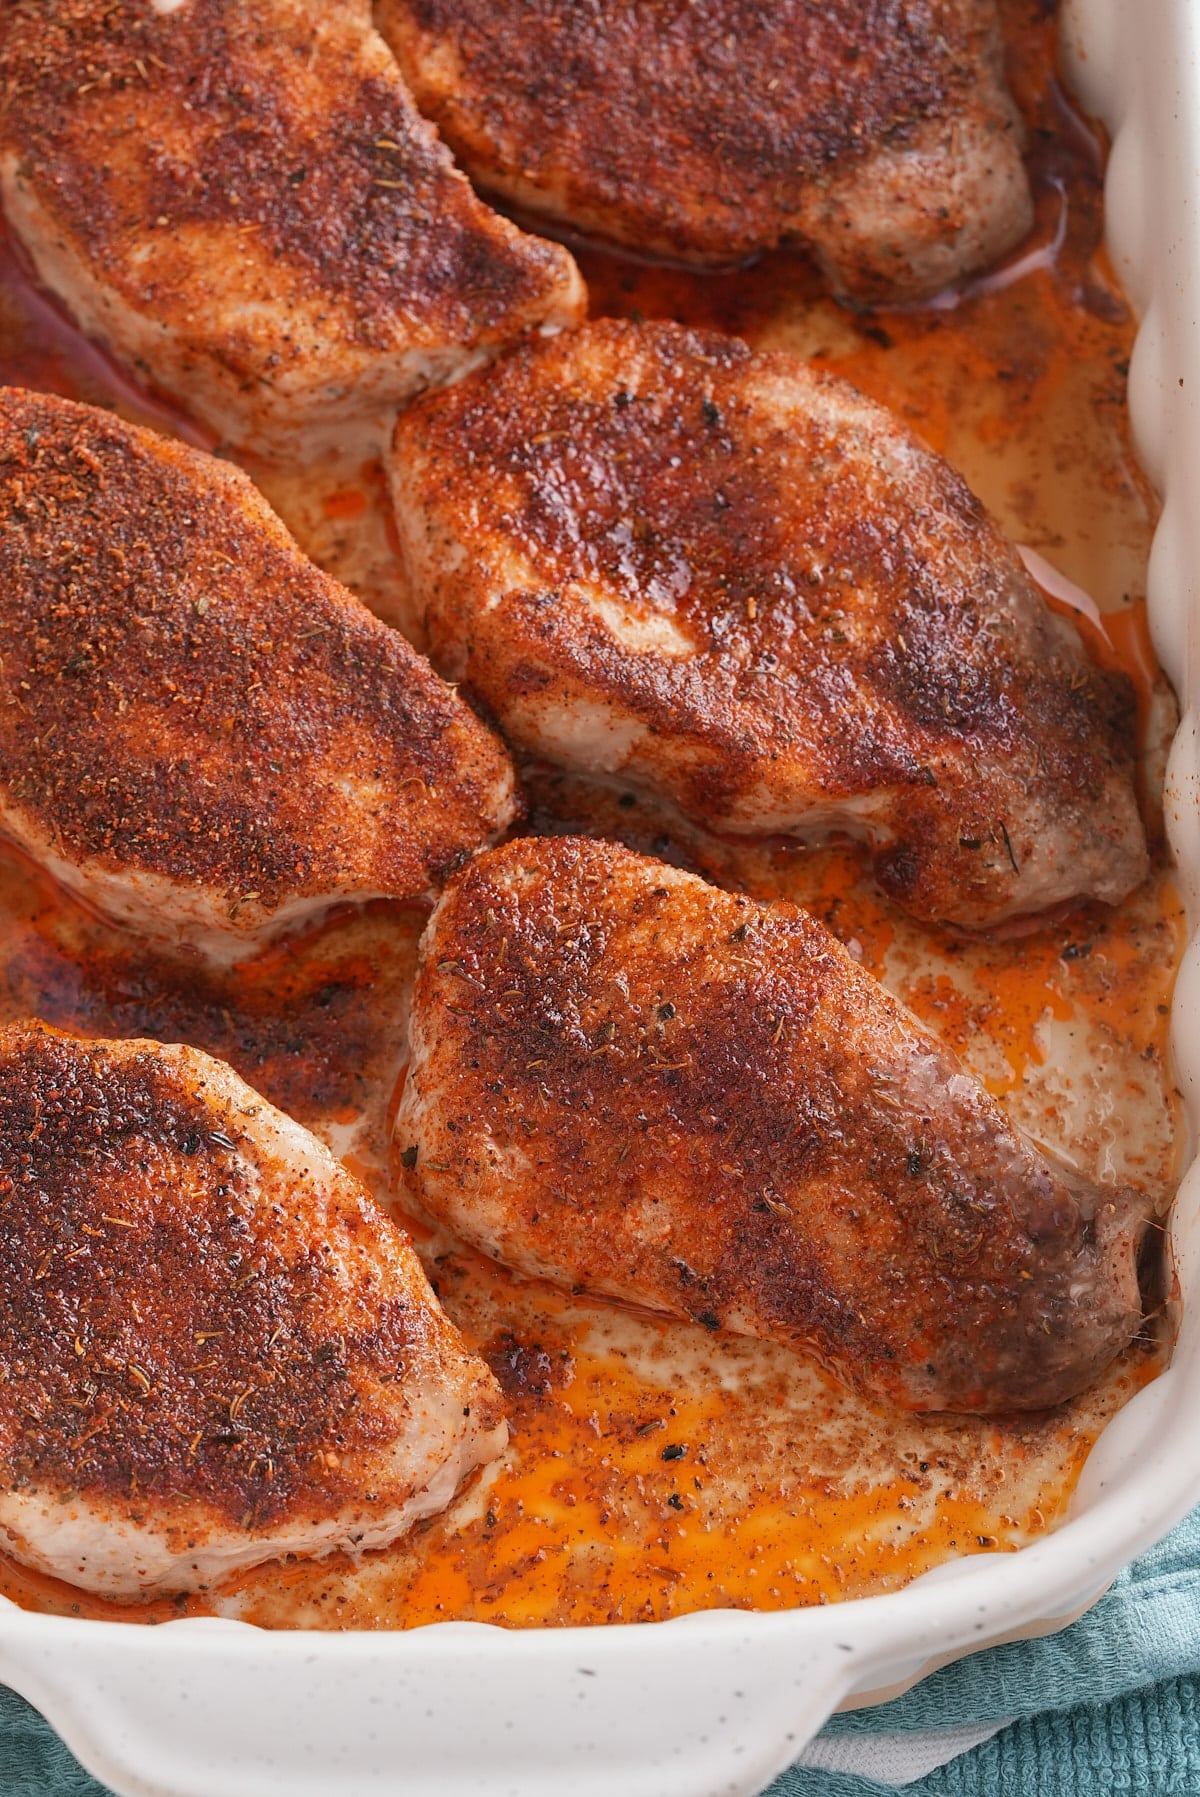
column 1108, row 1708
column 1110, row 1705
column 33, row 1761
column 1146, row 1744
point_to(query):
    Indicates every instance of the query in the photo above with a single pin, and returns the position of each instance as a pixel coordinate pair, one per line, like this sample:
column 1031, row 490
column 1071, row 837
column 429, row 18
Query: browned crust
column 183, row 693
column 171, row 1336
column 704, row 128
column 637, row 1084
column 858, row 632
column 135, row 126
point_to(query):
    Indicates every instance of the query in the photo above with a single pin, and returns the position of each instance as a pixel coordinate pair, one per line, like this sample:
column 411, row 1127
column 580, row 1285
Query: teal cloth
column 1108, row 1708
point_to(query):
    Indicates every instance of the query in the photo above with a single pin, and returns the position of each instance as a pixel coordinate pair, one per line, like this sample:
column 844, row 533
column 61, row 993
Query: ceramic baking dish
column 720, row 1702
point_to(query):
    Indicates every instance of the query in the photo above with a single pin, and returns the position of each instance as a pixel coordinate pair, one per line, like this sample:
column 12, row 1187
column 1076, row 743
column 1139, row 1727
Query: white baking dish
column 719, row 1702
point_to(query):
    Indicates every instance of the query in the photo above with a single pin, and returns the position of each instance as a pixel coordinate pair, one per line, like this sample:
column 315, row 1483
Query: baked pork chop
column 243, row 204
column 732, row 581
column 881, row 135
column 200, row 732
column 216, row 1347
column 631, row 1083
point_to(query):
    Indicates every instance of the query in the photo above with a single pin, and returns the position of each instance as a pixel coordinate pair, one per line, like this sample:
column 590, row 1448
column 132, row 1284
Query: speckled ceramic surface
column 718, row 1703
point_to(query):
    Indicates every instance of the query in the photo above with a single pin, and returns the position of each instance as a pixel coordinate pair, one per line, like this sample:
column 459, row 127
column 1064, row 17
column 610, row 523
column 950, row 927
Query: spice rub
column 200, row 732
column 216, row 1348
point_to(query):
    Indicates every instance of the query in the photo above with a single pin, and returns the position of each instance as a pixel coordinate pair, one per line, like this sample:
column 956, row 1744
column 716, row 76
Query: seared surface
column 723, row 577
column 216, row 1347
column 200, row 731
column 634, row 1084
column 881, row 134
column 244, row 204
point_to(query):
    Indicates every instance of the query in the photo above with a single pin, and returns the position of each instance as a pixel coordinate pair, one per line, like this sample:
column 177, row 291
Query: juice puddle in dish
column 655, row 1469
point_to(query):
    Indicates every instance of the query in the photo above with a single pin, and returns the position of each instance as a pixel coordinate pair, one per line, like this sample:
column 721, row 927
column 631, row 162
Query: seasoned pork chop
column 879, row 134
column 216, row 1347
column 200, row 732
column 243, row 204
column 737, row 583
column 630, row 1083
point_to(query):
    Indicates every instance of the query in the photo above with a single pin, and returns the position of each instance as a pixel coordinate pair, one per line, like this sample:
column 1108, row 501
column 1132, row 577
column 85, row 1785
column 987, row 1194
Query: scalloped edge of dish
column 714, row 1705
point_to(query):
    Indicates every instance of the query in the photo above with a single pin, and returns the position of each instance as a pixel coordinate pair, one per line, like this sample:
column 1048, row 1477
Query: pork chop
column 201, row 733
column 633, row 1084
column 881, row 135
column 734, row 582
column 217, row 1349
column 243, row 204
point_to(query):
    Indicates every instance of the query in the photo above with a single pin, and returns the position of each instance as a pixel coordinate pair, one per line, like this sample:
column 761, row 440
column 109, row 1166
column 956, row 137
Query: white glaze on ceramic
column 719, row 1702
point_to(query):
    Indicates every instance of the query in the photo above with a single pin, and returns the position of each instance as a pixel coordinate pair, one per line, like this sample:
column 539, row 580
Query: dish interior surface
column 655, row 1470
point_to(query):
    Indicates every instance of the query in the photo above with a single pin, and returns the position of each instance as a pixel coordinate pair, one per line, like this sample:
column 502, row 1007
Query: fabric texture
column 1108, row 1708
column 1144, row 1745
column 900, row 1757
column 33, row 1761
